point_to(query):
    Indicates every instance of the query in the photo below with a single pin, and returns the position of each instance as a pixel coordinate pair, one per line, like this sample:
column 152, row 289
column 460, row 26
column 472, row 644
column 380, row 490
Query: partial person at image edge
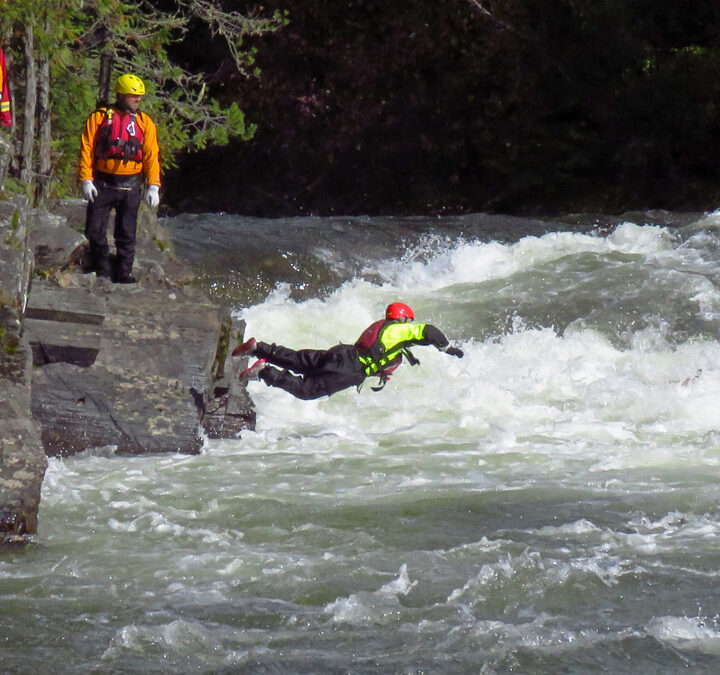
column 312, row 373
column 118, row 149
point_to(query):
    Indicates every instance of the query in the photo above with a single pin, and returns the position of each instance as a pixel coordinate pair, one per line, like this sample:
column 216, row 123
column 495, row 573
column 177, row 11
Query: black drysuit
column 322, row 372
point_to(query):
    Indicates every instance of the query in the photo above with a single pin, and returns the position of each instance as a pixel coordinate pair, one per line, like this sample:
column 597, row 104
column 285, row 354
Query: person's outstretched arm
column 434, row 336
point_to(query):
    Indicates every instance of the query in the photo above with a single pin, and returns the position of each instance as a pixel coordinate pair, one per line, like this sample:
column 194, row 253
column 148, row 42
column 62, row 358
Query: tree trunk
column 26, row 153
column 106, row 63
column 42, row 191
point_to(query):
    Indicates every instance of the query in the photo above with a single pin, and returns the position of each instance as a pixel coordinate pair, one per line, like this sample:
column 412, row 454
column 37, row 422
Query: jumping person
column 118, row 145
column 321, row 372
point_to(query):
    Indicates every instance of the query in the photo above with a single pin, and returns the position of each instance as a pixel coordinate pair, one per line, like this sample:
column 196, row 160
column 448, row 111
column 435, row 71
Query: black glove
column 455, row 351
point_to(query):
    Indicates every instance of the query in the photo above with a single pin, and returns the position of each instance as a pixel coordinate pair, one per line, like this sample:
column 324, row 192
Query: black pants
column 322, row 372
column 122, row 193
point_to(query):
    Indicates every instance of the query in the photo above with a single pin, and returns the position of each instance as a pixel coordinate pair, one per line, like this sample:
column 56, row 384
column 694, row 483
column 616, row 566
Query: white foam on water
column 538, row 635
column 306, row 502
column 688, row 634
column 185, row 643
column 526, row 390
column 377, row 607
column 473, row 261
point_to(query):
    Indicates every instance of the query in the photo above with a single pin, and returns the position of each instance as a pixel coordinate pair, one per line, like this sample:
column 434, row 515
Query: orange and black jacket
column 89, row 163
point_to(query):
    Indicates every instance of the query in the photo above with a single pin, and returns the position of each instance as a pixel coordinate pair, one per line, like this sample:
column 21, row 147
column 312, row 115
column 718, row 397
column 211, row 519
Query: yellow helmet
column 130, row 84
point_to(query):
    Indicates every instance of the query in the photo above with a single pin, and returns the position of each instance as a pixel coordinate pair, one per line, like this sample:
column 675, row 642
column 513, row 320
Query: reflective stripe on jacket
column 150, row 163
column 5, row 112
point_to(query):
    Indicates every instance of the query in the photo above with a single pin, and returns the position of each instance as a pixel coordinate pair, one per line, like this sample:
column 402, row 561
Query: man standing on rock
column 118, row 145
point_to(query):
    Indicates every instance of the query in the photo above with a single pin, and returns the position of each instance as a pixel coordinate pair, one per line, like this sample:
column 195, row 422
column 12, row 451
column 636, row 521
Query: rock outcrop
column 123, row 365
column 87, row 363
column 22, row 458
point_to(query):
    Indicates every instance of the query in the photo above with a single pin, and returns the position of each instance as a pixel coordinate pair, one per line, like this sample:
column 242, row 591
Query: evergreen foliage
column 369, row 106
column 137, row 36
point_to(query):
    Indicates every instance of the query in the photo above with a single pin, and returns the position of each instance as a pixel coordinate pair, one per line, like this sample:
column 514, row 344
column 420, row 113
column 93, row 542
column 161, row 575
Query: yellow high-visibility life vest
column 384, row 355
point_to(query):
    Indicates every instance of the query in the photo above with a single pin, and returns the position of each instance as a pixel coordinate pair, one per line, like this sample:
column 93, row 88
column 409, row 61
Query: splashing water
column 546, row 504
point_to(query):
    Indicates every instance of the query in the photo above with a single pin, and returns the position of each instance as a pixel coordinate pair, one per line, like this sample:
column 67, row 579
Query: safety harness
column 376, row 358
column 119, row 137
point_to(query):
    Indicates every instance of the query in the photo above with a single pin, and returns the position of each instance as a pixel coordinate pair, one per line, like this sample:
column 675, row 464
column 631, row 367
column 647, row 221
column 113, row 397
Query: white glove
column 152, row 196
column 89, row 190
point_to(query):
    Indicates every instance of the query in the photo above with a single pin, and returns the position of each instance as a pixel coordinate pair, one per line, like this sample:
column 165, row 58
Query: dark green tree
column 64, row 43
column 520, row 106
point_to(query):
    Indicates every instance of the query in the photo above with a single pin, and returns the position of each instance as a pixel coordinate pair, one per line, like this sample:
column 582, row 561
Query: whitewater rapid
column 583, row 379
column 546, row 504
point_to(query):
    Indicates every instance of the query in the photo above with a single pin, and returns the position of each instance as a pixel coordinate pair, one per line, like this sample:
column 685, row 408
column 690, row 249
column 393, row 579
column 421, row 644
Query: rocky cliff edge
column 85, row 363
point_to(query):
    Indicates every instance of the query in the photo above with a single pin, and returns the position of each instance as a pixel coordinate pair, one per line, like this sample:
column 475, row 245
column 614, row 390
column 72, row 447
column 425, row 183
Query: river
column 547, row 504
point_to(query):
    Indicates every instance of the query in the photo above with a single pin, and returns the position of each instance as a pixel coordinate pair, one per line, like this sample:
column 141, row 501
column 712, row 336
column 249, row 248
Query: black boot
column 102, row 266
column 123, row 271
column 100, row 260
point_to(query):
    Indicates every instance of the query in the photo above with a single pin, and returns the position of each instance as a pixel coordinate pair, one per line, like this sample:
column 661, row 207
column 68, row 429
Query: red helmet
column 398, row 311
